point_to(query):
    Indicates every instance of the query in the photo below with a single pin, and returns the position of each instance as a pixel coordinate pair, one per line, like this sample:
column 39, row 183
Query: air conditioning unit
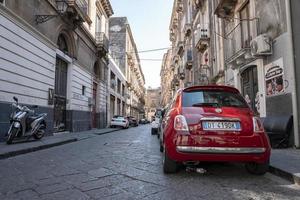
column 261, row 45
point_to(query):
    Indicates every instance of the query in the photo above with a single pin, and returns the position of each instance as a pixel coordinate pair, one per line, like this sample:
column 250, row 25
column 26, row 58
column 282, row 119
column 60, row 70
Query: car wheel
column 169, row 166
column 257, row 168
column 161, row 148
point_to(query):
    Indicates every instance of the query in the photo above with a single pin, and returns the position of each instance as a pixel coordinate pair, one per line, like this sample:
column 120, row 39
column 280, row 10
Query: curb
column 107, row 132
column 285, row 175
column 37, row 148
column 47, row 146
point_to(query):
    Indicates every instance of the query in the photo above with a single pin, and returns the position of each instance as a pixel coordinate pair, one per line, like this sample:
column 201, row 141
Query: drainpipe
column 294, row 93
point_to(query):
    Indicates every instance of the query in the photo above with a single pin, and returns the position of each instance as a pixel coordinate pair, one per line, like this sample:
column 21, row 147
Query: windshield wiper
column 206, row 104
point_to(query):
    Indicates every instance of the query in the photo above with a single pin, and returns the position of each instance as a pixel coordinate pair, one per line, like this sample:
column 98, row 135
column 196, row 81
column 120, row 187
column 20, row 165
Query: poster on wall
column 274, row 77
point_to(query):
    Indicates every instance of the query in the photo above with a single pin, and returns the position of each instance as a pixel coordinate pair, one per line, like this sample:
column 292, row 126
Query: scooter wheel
column 39, row 134
column 11, row 136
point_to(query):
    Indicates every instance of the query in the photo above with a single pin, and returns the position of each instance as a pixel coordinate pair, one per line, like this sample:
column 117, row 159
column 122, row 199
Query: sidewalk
column 22, row 147
column 286, row 163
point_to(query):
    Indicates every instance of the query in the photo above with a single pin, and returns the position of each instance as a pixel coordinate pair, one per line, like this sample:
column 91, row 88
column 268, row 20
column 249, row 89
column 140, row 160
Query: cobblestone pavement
column 127, row 165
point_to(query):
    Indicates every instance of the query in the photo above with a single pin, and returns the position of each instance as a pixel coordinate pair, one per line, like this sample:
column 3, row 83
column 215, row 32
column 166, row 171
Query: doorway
column 60, row 95
column 94, row 105
column 249, row 82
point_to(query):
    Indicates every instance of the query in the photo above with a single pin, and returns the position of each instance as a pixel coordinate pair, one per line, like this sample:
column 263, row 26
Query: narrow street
column 127, row 165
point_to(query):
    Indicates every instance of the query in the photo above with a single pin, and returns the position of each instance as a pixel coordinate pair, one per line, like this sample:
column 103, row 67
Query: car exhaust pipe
column 191, row 163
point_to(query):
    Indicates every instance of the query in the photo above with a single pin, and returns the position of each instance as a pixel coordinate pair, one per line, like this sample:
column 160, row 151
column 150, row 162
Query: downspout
column 294, row 93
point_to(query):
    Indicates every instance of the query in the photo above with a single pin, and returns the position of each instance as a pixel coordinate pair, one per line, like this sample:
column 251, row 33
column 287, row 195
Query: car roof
column 211, row 87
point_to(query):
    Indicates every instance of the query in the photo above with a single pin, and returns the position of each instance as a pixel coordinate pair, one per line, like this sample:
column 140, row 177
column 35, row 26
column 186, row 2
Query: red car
column 215, row 124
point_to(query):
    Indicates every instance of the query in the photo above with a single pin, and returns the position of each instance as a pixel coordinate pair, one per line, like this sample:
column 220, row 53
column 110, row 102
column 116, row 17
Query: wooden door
column 60, row 95
column 94, row 106
column 250, row 86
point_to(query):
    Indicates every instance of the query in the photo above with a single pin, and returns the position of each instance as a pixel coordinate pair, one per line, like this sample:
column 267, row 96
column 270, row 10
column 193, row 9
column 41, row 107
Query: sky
column 149, row 21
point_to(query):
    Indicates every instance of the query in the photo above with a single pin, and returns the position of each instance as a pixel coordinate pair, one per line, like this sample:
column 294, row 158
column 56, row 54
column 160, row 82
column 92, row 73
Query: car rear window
column 215, row 98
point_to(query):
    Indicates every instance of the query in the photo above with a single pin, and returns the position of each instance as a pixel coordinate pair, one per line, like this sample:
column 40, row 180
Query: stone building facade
column 152, row 102
column 166, row 76
column 247, row 44
column 124, row 51
column 54, row 55
column 117, row 91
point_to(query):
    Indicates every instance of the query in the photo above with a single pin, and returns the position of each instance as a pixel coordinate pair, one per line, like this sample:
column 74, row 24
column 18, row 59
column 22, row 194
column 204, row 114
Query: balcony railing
column 79, row 10
column 202, row 36
column 238, row 39
column 102, row 41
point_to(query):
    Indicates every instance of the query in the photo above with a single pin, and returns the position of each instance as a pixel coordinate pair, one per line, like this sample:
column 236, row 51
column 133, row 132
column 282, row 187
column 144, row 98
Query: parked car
column 119, row 121
column 144, row 121
column 213, row 123
column 132, row 121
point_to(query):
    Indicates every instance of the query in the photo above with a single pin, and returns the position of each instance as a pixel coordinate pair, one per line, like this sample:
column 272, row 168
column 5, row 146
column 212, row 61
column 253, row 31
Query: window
column 213, row 98
column 119, row 86
column 83, row 90
column 123, row 90
column 244, row 16
column 98, row 23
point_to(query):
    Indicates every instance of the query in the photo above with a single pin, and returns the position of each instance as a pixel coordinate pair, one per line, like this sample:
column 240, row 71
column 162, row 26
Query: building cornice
column 106, row 6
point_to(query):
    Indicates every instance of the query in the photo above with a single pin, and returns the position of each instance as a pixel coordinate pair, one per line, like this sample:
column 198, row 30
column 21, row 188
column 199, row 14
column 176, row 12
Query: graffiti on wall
column 274, row 77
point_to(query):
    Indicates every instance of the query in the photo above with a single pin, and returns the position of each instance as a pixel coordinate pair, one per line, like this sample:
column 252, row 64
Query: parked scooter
column 25, row 123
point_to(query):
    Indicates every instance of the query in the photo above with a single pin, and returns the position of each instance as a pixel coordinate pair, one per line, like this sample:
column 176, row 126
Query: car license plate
column 230, row 126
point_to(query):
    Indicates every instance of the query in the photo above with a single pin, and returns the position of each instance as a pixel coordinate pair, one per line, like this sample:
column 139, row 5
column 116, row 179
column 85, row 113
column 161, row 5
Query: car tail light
column 257, row 125
column 180, row 123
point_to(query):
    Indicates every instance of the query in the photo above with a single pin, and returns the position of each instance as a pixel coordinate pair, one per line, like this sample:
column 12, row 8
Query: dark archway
column 62, row 44
column 60, row 88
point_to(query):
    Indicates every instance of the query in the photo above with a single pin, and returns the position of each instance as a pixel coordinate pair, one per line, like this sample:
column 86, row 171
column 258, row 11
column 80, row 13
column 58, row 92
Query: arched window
column 62, row 43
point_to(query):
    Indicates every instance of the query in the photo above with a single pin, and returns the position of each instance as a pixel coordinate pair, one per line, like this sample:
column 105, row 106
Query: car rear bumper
column 258, row 155
column 221, row 150
column 218, row 149
column 122, row 124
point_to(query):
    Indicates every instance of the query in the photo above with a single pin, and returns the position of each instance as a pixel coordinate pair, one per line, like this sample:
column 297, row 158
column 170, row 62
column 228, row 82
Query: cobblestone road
column 127, row 165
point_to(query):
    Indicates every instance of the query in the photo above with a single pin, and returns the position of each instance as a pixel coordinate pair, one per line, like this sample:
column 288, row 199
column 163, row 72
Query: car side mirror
column 16, row 99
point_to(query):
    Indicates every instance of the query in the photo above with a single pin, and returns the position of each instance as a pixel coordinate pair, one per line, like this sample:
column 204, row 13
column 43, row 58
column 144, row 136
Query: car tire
column 161, row 148
column 169, row 166
column 257, row 168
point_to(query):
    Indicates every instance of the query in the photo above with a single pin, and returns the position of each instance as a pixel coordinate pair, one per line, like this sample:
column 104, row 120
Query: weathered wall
column 26, row 69
column 117, row 36
column 272, row 16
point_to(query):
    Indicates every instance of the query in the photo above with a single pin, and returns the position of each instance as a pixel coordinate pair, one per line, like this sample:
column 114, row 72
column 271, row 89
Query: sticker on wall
column 274, row 77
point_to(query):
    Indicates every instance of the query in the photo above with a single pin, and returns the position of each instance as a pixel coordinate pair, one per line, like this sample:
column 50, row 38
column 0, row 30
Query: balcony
column 180, row 48
column 225, row 8
column 187, row 29
column 179, row 6
column 188, row 59
column 102, row 43
column 237, row 43
column 78, row 11
column 202, row 37
column 198, row 3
